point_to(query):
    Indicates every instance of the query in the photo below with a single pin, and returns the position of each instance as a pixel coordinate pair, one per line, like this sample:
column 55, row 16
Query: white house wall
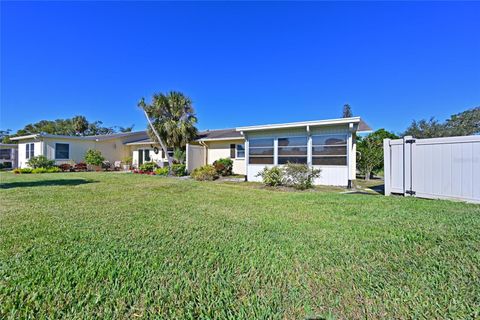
column 22, row 159
column 330, row 175
column 221, row 149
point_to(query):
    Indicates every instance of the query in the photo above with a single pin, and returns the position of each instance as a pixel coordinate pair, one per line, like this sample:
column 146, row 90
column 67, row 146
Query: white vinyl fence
column 439, row 168
column 195, row 157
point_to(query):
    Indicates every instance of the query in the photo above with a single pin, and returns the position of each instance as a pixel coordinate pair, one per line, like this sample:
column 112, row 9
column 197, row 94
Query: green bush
column 94, row 157
column 206, row 172
column 46, row 170
column 22, row 170
column 162, row 171
column 224, row 166
column 179, row 170
column 299, row 176
column 40, row 162
column 148, row 167
column 271, row 177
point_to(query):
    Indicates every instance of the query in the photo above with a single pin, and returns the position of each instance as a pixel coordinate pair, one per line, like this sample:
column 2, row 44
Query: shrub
column 224, row 166
column 148, row 167
column 206, row 172
column 106, row 165
column 40, row 162
column 22, row 170
column 162, row 171
column 271, row 177
column 94, row 157
column 179, row 170
column 82, row 166
column 300, row 176
column 179, row 156
column 46, row 170
column 65, row 167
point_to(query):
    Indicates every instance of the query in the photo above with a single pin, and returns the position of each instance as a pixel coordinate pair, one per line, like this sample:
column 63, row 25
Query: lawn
column 108, row 245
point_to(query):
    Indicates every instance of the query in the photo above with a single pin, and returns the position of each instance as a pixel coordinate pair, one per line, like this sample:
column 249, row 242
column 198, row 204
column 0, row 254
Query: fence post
column 386, row 167
column 407, row 165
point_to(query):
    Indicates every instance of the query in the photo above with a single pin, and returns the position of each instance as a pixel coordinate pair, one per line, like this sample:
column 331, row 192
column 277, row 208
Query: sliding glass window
column 260, row 151
column 329, row 150
column 293, row 150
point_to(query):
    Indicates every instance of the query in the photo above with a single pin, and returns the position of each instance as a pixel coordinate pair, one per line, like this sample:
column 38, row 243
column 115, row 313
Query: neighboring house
column 325, row 144
column 8, row 156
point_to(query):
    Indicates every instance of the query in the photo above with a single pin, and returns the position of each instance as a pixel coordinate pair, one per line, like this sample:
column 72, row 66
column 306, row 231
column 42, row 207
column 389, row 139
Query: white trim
column 236, row 151
column 221, row 139
column 301, row 124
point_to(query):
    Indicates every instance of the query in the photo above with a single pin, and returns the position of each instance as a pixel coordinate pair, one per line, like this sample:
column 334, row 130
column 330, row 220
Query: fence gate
column 439, row 168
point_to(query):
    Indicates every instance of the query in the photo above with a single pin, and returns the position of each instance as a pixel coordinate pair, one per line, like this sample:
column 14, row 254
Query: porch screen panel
column 329, row 150
column 293, row 150
column 261, row 151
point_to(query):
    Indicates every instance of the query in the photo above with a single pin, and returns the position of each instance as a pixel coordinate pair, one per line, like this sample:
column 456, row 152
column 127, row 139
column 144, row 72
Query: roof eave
column 300, row 124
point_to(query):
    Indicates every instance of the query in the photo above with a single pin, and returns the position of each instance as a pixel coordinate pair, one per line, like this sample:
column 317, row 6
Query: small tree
column 179, row 156
column 370, row 152
column 347, row 111
column 94, row 157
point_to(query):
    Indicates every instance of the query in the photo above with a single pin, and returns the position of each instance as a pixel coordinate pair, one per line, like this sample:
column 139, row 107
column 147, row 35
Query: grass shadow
column 45, row 183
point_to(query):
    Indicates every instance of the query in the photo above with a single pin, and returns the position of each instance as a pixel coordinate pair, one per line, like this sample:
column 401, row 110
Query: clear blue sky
column 241, row 63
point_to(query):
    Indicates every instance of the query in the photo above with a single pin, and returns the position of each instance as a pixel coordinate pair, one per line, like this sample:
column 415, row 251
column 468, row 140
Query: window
column 147, row 155
column 5, row 154
column 240, row 151
column 232, row 151
column 29, row 150
column 293, row 150
column 261, row 151
column 62, row 151
column 329, row 150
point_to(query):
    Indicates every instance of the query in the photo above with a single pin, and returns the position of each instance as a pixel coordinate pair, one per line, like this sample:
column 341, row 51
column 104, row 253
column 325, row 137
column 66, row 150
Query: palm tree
column 172, row 120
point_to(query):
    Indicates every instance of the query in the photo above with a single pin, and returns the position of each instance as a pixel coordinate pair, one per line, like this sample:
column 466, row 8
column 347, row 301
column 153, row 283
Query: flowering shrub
column 224, row 166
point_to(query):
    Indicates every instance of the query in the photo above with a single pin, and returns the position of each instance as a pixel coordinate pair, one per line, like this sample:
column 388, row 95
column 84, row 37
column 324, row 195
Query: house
column 325, row 144
column 8, row 155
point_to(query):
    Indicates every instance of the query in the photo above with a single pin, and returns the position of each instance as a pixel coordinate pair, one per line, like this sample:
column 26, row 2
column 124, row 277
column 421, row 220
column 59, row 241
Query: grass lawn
column 107, row 245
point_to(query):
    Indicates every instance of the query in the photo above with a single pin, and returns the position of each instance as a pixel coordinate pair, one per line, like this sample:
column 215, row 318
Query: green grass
column 108, row 245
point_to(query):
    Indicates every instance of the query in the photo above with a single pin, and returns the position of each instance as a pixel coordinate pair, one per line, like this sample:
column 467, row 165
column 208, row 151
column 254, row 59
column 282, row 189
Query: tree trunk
column 170, row 161
column 367, row 175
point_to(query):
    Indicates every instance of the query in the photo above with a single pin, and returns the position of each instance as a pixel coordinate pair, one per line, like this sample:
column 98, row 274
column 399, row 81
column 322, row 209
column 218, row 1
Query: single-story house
column 8, row 155
column 325, row 144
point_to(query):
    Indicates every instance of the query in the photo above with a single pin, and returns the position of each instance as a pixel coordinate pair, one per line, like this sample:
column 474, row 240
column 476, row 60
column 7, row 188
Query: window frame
column 236, row 151
column 64, row 143
column 344, row 156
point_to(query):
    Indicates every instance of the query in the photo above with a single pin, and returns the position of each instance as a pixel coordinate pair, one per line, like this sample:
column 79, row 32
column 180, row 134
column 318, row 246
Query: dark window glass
column 295, row 141
column 147, row 155
column 292, row 151
column 329, row 150
column 5, row 154
column 232, row 151
column 27, row 151
column 261, row 142
column 261, row 152
column 261, row 160
column 32, row 150
column 330, row 161
column 285, row 160
column 240, row 151
column 329, row 140
column 62, row 151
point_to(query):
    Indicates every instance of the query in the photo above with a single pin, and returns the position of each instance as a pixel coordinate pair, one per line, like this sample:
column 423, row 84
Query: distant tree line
column 76, row 126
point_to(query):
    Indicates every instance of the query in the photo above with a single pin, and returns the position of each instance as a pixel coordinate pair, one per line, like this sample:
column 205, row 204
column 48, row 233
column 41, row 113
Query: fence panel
column 439, row 168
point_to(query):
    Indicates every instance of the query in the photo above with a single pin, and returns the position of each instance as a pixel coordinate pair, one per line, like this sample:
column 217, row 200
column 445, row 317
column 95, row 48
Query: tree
column 171, row 118
column 464, row 123
column 80, row 125
column 347, row 111
column 5, row 136
column 370, row 152
column 461, row 124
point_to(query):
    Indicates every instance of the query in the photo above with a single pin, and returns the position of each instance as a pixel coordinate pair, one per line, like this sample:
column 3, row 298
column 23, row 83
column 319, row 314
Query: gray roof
column 100, row 137
column 219, row 134
column 363, row 126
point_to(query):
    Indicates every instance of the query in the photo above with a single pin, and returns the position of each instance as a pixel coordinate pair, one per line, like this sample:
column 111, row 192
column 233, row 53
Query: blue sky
column 241, row 63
